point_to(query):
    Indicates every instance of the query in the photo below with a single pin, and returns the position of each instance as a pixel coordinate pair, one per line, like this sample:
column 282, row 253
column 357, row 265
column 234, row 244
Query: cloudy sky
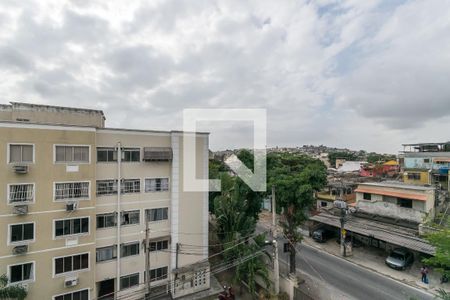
column 361, row 74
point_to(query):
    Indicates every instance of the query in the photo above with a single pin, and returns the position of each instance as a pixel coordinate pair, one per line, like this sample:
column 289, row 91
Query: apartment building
column 77, row 198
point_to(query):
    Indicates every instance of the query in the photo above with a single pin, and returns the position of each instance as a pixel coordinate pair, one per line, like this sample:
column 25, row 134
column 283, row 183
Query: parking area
column 373, row 257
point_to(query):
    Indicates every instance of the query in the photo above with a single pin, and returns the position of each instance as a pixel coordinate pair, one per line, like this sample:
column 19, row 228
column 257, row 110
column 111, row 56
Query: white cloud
column 361, row 73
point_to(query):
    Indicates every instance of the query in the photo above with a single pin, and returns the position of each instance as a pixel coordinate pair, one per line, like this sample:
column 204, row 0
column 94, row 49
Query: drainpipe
column 119, row 217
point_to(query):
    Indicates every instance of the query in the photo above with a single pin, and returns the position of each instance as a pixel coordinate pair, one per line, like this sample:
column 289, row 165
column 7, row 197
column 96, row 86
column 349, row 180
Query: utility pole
column 276, row 267
column 176, row 255
column 147, row 258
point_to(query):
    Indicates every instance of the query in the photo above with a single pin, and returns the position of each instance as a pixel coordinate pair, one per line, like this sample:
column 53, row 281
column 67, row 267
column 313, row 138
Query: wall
column 424, row 177
column 390, row 210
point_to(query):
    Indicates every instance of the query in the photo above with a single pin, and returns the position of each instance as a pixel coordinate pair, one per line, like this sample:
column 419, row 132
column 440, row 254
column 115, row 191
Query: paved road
column 352, row 280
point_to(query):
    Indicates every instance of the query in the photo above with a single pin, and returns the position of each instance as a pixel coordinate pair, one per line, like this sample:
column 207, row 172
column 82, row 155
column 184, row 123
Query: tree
column 441, row 259
column 296, row 178
column 332, row 156
column 11, row 291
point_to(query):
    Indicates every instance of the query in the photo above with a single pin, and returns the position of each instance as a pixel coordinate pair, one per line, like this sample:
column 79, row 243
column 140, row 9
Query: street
column 352, row 280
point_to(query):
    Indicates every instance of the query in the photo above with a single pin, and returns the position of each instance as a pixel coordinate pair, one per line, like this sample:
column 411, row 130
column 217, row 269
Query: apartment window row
column 131, row 217
column 25, row 232
column 78, row 295
column 72, row 263
column 109, row 186
column 129, row 281
column 25, row 192
column 158, row 274
column 110, row 252
column 159, row 245
column 20, row 193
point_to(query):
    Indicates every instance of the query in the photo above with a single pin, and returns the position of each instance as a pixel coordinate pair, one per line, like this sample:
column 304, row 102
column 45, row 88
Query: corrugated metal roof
column 396, row 235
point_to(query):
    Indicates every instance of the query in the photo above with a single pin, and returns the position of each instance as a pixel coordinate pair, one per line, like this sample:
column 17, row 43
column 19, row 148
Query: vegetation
column 11, row 291
column 332, row 156
column 296, row 178
column 442, row 294
column 373, row 157
column 441, row 260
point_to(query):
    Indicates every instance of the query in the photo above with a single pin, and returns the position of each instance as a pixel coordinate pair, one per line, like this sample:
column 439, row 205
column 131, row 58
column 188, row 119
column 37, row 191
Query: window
column 106, row 220
column 414, row 176
column 131, row 154
column 426, row 160
column 323, row 204
column 367, row 196
column 106, row 154
column 109, row 187
column 404, row 202
column 159, row 245
column 130, row 217
column 129, row 281
column 156, row 184
column 21, row 153
column 157, row 214
column 71, row 190
column 131, row 186
column 72, row 154
column 71, row 226
column 109, row 154
column 71, row 263
column 106, row 187
column 22, row 272
column 106, row 253
column 78, row 295
column 21, row 232
column 129, row 249
column 19, row 193
column 158, row 274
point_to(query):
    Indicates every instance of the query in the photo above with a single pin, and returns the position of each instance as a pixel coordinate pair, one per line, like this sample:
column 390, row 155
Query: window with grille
column 158, row 274
column 157, row 214
column 131, row 186
column 78, row 295
column 20, row 193
column 21, row 232
column 129, row 281
column 72, row 154
column 156, row 184
column 129, row 249
column 106, row 253
column 106, row 187
column 71, row 263
column 71, row 190
column 414, row 176
column 159, row 245
column 71, row 226
column 22, row 272
column 130, row 217
column 106, row 220
column 21, row 153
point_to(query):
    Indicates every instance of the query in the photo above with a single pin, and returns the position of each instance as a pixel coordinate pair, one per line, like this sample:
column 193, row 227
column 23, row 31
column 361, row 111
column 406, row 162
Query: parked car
column 400, row 259
column 322, row 235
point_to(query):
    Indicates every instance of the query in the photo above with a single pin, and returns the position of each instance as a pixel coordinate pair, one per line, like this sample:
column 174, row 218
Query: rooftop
column 398, row 184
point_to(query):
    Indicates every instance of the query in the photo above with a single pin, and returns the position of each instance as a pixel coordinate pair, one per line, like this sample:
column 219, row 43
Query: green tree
column 441, row 259
column 296, row 178
column 11, row 291
column 332, row 156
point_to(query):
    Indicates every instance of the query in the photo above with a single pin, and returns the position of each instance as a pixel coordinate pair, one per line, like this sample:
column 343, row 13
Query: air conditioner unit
column 22, row 249
column 71, row 206
column 20, row 169
column 20, row 209
column 69, row 282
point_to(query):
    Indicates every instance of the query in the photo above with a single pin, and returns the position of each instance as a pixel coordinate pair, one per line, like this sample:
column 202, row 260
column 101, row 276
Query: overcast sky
column 359, row 74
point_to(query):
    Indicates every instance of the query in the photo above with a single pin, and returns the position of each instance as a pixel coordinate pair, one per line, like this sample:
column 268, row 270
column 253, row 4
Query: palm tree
column 11, row 291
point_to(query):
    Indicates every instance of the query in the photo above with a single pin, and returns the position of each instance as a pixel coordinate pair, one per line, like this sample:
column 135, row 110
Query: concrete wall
column 390, row 210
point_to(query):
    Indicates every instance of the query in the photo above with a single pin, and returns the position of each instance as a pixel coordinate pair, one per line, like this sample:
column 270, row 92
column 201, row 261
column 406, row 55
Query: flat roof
column 45, row 106
column 398, row 184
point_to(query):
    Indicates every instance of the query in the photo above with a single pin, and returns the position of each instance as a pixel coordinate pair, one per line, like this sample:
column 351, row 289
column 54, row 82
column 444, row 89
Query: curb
column 431, row 291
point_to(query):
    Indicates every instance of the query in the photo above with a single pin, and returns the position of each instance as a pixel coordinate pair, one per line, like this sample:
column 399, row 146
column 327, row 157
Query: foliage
column 373, row 157
column 441, row 260
column 12, row 291
column 216, row 169
column 296, row 178
column 332, row 156
column 442, row 294
column 252, row 268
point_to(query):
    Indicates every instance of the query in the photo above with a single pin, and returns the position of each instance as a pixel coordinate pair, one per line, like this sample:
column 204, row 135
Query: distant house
column 350, row 166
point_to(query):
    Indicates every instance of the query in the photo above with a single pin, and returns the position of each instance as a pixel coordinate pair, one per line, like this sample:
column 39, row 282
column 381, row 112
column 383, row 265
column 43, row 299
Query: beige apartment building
column 77, row 197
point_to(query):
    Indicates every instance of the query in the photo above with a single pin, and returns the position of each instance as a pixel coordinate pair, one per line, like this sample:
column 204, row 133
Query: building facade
column 77, row 197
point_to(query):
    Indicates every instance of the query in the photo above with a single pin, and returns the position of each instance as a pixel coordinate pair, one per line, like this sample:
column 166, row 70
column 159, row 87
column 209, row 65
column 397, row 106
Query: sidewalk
column 373, row 259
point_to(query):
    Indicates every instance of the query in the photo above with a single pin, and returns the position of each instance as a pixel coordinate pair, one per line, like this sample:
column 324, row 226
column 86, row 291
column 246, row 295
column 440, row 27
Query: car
column 322, row 235
column 400, row 259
